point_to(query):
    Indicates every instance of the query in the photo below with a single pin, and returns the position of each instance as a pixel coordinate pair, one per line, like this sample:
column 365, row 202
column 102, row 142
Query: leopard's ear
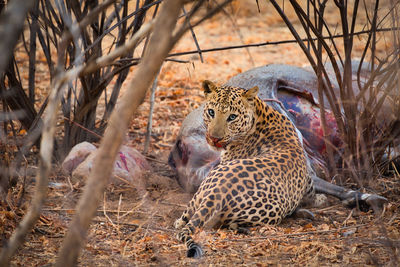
column 251, row 93
column 208, row 87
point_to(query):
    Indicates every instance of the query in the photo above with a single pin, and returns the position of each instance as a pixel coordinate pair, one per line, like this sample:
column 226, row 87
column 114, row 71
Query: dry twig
column 293, row 234
column 150, row 119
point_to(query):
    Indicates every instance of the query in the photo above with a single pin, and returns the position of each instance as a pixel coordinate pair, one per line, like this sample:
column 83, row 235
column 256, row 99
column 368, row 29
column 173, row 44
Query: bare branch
column 160, row 44
column 42, row 176
column 150, row 119
column 48, row 137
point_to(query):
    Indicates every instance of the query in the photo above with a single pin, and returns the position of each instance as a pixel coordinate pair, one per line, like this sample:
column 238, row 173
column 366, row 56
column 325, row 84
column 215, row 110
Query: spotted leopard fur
column 263, row 174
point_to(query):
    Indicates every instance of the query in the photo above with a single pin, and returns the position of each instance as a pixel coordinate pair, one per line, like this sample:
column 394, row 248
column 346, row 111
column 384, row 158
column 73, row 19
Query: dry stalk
column 150, row 119
column 105, row 212
column 118, row 217
column 348, row 217
column 136, row 207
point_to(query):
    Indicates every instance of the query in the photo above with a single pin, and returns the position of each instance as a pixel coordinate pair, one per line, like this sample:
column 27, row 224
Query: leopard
column 262, row 176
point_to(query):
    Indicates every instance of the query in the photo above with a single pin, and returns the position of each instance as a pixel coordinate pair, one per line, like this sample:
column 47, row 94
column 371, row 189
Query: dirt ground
column 134, row 224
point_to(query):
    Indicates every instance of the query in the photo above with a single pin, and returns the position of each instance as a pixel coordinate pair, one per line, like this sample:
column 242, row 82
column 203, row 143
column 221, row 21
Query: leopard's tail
column 194, row 249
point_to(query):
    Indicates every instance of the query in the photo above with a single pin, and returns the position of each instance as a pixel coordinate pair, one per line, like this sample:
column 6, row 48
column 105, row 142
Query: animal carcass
column 291, row 91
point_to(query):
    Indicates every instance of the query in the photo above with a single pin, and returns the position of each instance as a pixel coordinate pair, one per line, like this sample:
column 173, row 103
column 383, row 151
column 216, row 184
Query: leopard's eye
column 211, row 112
column 232, row 117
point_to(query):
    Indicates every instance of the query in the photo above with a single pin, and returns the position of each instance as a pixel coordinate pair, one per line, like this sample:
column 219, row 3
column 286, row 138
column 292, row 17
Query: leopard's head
column 229, row 113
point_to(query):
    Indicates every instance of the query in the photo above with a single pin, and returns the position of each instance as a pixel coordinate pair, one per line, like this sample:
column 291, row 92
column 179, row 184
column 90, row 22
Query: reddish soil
column 134, row 224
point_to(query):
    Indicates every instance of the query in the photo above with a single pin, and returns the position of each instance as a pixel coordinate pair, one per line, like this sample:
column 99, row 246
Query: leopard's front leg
column 186, row 215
